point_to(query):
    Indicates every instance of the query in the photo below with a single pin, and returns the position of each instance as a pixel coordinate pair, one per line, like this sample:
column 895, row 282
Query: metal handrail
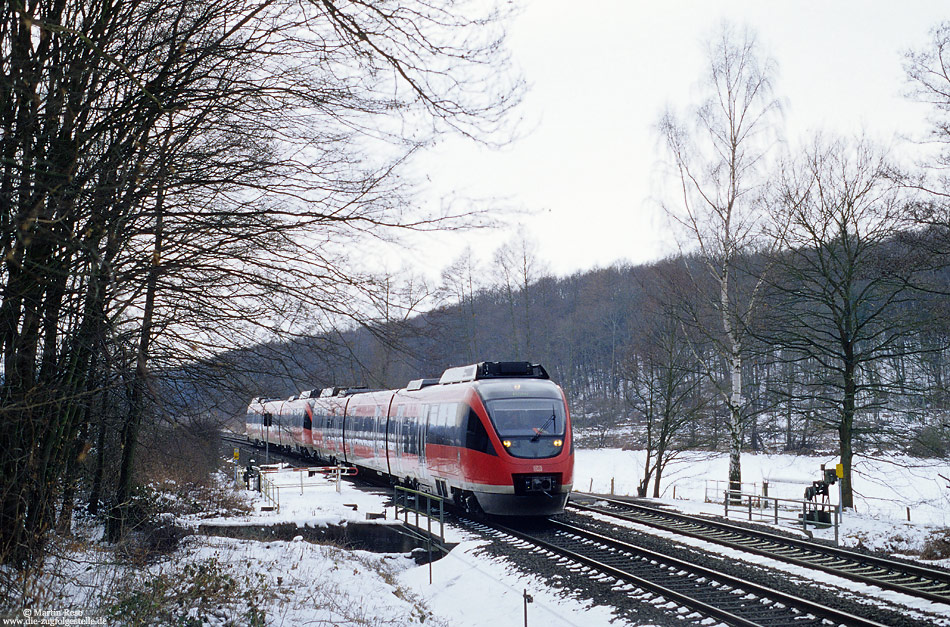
column 401, row 496
column 270, row 490
column 757, row 504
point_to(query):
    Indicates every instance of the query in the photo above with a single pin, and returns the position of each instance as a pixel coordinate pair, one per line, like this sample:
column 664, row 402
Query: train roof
column 485, row 370
column 344, row 391
column 494, row 370
column 418, row 384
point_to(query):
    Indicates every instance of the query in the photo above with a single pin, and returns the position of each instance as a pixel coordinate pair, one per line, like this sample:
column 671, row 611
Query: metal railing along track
column 911, row 579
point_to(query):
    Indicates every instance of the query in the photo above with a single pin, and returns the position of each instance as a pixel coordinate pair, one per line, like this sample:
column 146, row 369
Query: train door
column 347, row 422
column 423, row 425
column 377, row 414
column 343, row 415
column 410, row 423
column 301, row 426
column 335, row 433
column 414, row 422
column 288, row 423
column 447, row 418
column 318, row 427
column 306, row 439
column 280, row 421
column 425, row 420
column 390, row 446
column 396, row 441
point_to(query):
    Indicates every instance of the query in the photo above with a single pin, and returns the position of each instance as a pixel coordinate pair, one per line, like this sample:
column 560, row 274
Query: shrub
column 931, row 440
column 194, row 594
column 152, row 531
column 937, row 546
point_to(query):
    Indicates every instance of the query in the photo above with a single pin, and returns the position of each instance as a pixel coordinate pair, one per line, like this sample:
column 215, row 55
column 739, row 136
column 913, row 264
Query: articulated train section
column 492, row 437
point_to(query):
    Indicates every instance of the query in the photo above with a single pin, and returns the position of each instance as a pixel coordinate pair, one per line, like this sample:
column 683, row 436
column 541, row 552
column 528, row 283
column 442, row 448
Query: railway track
column 914, row 580
column 275, row 454
column 694, row 592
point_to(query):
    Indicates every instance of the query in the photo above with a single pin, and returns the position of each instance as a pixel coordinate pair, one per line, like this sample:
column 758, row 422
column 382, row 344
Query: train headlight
column 506, row 443
column 558, row 443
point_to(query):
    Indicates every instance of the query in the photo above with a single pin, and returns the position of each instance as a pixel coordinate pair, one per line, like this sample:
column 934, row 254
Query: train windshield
column 534, row 417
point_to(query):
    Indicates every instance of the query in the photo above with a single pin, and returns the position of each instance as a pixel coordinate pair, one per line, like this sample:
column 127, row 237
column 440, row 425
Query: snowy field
column 463, row 580
column 884, row 489
column 300, row 583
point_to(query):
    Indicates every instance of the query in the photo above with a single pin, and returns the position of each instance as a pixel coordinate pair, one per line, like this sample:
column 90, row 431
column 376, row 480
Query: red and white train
column 493, row 436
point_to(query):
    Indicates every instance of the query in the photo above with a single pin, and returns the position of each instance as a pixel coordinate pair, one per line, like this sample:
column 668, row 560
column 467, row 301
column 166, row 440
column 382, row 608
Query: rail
column 906, row 578
column 719, row 595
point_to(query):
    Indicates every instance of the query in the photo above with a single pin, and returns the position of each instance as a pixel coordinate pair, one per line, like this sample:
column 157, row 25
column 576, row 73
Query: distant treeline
column 606, row 334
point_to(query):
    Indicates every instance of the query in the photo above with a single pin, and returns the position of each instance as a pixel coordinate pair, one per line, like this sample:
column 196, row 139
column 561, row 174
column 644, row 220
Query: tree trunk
column 659, row 472
column 95, row 494
column 735, row 450
column 130, row 431
column 845, row 432
column 647, row 473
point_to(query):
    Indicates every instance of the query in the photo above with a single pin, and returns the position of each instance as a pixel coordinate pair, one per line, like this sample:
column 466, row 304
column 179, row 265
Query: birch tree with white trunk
column 719, row 152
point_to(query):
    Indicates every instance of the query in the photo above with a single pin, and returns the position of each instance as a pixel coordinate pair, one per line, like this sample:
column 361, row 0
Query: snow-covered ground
column 885, row 487
column 462, row 581
column 300, row 583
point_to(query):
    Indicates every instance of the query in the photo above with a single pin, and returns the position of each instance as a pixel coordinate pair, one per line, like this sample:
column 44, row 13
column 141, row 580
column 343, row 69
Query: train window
column 529, row 427
column 476, row 437
column 450, row 431
column 459, row 424
column 438, row 420
column 527, row 416
column 443, row 432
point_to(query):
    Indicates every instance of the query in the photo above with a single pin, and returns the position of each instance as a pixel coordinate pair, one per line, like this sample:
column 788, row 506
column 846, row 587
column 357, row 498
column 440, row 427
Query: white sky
column 602, row 72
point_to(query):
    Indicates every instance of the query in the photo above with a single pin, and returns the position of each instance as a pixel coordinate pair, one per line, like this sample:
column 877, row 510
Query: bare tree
column 928, row 71
column 461, row 282
column 519, row 269
column 664, row 389
column 720, row 157
column 177, row 176
column 844, row 296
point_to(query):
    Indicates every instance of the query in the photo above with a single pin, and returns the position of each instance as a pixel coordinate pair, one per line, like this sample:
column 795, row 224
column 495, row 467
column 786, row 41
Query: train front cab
column 529, row 426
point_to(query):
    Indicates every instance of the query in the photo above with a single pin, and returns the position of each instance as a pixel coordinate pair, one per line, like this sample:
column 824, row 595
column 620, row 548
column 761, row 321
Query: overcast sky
column 602, row 72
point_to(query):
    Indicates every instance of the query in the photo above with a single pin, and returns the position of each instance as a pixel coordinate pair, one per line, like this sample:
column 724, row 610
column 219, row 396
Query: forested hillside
column 627, row 345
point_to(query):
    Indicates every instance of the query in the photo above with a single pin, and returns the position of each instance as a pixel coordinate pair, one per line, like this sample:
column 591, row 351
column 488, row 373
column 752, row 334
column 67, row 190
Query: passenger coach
column 493, row 436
